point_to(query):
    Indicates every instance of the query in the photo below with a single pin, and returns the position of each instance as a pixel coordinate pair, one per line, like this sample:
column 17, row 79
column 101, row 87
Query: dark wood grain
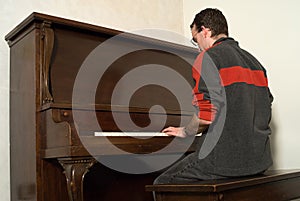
column 23, row 119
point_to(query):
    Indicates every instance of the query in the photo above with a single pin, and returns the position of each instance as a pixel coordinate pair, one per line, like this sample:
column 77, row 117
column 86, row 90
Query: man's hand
column 175, row 131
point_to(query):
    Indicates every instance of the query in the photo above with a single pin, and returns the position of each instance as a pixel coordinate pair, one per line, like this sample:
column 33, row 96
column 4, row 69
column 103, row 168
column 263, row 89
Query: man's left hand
column 175, row 131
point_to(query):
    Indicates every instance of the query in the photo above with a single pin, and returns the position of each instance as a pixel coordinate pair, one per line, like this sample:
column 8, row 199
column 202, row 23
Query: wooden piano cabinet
column 50, row 158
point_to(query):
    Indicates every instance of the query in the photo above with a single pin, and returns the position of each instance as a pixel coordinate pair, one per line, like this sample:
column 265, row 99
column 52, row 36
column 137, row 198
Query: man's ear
column 206, row 31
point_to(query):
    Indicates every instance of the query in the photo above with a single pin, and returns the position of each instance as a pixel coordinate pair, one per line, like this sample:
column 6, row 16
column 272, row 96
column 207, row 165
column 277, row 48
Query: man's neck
column 215, row 38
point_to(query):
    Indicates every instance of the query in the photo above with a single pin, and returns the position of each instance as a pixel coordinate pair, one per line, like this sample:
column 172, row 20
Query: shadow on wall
column 274, row 138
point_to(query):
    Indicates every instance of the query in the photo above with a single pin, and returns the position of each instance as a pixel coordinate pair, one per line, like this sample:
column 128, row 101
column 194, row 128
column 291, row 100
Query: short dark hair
column 213, row 19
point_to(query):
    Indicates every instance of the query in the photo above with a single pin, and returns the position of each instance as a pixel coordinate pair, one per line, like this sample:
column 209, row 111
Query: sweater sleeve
column 207, row 89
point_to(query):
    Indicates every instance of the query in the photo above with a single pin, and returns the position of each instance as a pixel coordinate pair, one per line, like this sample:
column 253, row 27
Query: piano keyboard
column 130, row 134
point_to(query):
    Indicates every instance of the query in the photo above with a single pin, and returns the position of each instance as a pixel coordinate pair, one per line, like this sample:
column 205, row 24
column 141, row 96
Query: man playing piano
column 233, row 105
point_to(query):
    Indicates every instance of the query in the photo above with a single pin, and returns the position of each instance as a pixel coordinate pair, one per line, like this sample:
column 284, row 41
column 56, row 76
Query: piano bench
column 273, row 185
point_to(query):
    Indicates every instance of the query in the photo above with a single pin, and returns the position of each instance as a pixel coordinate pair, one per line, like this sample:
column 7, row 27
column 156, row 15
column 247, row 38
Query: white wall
column 125, row 15
column 270, row 30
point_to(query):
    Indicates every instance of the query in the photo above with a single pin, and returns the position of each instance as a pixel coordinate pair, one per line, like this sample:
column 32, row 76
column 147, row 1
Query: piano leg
column 75, row 170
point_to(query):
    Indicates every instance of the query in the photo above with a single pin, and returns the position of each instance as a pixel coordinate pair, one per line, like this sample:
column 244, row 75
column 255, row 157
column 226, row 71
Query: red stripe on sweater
column 238, row 74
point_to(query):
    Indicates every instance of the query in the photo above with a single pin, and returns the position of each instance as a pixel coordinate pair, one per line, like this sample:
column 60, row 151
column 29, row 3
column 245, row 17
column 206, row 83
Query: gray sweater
column 232, row 91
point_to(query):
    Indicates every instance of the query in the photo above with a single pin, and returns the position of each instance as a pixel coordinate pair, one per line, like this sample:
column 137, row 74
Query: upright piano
column 87, row 105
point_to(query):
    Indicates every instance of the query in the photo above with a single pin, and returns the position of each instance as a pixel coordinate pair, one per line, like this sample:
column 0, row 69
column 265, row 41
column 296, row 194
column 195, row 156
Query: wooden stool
column 273, row 185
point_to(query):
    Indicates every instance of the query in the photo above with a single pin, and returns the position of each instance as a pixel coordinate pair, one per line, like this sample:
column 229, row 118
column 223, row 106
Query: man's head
column 208, row 25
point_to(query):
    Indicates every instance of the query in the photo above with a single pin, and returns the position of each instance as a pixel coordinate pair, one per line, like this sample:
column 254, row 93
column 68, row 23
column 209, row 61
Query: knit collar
column 223, row 39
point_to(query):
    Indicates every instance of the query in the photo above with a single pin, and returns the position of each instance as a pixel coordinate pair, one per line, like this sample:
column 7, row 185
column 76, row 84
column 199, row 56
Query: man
column 233, row 105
